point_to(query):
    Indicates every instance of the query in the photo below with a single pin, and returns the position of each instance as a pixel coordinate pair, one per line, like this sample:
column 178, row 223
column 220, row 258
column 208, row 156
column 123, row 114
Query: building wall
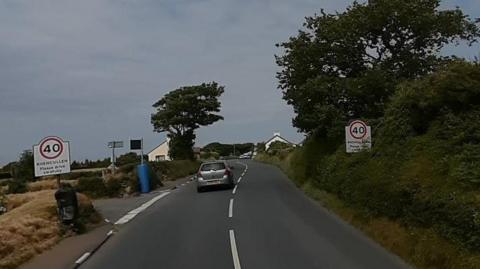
column 161, row 153
column 275, row 139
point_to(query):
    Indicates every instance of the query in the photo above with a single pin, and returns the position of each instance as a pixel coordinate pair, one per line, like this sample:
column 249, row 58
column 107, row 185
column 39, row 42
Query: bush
column 94, row 187
column 17, row 186
column 77, row 175
column 422, row 171
column 4, row 175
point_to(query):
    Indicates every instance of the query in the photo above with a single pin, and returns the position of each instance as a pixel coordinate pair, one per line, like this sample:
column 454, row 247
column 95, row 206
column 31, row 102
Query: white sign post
column 51, row 157
column 358, row 136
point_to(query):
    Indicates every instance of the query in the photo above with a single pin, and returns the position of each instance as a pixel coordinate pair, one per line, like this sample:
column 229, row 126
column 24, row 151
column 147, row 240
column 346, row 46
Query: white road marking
column 233, row 246
column 132, row 214
column 239, row 179
column 234, row 189
column 183, row 184
column 230, row 209
column 83, row 258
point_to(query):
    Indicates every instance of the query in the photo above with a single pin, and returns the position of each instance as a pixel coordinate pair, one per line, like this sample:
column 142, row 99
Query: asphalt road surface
column 266, row 222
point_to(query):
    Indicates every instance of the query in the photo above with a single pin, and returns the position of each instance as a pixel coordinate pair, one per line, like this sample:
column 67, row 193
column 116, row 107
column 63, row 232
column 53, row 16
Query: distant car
column 217, row 173
column 245, row 156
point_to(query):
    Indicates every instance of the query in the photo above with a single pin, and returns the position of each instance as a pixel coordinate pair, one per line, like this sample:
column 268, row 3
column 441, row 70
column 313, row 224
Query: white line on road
column 239, row 179
column 234, row 189
column 132, row 214
column 233, row 245
column 83, row 258
column 230, row 209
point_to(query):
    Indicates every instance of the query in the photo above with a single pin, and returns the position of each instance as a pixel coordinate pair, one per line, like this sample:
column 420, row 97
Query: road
column 265, row 223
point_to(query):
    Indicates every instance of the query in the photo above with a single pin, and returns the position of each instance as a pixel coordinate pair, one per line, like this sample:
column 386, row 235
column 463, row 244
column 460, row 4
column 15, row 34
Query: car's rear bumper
column 214, row 182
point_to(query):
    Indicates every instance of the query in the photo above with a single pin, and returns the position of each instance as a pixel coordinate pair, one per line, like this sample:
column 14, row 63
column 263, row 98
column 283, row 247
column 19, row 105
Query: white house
column 276, row 137
column 160, row 153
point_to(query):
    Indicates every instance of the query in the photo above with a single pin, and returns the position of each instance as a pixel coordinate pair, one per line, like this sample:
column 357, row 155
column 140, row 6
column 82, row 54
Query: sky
column 89, row 71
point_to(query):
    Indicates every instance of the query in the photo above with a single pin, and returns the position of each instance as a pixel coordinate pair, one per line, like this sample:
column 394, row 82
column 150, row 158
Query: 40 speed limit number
column 357, row 136
column 51, row 157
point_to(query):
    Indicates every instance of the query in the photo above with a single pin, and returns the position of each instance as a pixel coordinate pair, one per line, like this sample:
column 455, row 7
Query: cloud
column 90, row 70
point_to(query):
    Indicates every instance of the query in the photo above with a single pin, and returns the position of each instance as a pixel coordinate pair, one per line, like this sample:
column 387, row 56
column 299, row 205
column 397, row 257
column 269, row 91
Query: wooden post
column 58, row 182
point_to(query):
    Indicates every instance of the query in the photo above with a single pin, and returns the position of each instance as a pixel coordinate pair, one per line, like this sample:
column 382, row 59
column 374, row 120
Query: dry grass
column 29, row 227
column 48, row 184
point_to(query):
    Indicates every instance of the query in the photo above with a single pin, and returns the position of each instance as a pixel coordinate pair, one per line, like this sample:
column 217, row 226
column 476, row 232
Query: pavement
column 70, row 250
column 265, row 222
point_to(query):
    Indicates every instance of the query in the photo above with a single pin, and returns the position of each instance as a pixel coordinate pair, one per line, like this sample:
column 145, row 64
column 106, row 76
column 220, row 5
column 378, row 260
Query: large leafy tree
column 182, row 111
column 346, row 65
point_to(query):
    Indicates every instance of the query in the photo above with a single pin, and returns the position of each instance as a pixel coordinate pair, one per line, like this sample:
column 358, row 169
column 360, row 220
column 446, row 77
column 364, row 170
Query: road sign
column 51, row 157
column 115, row 144
column 135, row 144
column 358, row 136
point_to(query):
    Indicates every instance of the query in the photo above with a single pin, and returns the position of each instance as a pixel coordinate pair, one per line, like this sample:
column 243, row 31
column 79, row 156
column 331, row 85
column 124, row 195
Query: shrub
column 94, row 187
column 17, row 186
column 4, row 175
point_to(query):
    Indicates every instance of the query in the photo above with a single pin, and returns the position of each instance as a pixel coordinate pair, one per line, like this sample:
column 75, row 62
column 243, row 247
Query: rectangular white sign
column 51, row 157
column 358, row 137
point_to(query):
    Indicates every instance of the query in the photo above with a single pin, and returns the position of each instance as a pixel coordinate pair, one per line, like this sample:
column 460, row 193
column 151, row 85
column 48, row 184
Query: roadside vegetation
column 30, row 225
column 417, row 190
column 28, row 211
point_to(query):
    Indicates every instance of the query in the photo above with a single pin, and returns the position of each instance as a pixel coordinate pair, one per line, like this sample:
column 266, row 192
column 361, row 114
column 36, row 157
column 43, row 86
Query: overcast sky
column 89, row 71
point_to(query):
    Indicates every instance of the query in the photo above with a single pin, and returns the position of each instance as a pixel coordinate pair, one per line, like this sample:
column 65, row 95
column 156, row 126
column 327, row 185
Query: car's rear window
column 212, row 166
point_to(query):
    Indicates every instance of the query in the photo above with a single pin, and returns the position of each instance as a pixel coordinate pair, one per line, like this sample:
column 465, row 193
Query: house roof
column 157, row 147
column 279, row 136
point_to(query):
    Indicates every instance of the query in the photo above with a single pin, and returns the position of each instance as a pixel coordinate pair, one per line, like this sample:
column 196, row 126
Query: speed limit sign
column 357, row 136
column 51, row 157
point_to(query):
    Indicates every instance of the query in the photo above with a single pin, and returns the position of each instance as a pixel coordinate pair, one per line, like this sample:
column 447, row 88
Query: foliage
column 422, row 172
column 347, row 65
column 227, row 149
column 182, row 111
column 88, row 164
column 17, row 186
column 279, row 146
column 94, row 187
column 23, row 168
column 127, row 158
column 4, row 175
column 174, row 169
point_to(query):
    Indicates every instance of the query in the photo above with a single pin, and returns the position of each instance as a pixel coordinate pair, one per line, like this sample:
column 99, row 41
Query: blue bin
column 144, row 176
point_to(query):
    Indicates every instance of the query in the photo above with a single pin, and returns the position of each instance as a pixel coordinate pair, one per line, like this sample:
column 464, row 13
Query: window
column 159, row 158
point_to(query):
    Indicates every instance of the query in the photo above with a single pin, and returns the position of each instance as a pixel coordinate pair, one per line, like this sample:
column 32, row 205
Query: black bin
column 67, row 205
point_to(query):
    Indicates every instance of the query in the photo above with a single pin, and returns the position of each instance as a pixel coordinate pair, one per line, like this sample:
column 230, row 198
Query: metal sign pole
column 113, row 159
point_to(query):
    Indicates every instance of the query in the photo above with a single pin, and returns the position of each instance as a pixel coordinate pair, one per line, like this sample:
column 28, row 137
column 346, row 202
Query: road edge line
column 87, row 255
column 133, row 213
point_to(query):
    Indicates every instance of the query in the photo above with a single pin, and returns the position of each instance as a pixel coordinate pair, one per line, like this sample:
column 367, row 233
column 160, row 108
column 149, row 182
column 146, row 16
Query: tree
column 182, row 111
column 347, row 65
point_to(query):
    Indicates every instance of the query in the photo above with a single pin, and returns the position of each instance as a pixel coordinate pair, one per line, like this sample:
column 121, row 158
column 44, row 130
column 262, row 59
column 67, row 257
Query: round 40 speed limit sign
column 51, row 156
column 51, row 148
column 357, row 136
column 358, row 129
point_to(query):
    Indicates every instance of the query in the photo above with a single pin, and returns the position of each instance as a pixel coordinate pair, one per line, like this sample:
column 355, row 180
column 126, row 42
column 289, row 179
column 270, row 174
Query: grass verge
column 31, row 226
column 422, row 247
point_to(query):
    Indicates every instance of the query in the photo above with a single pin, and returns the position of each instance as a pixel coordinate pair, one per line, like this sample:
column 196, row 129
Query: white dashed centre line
column 234, row 189
column 233, row 246
column 230, row 209
column 239, row 179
